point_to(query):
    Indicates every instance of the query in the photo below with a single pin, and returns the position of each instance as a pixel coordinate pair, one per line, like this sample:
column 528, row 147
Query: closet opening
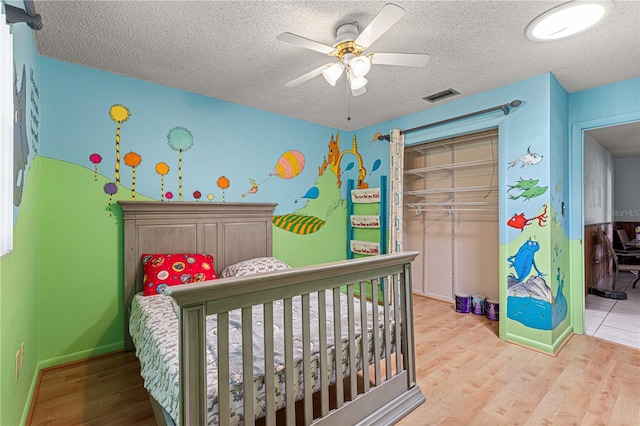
column 450, row 203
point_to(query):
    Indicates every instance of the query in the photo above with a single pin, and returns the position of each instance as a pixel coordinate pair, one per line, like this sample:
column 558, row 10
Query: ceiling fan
column 349, row 48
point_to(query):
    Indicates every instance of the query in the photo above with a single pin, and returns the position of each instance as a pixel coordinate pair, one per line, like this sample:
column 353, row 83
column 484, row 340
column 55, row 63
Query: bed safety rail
column 372, row 370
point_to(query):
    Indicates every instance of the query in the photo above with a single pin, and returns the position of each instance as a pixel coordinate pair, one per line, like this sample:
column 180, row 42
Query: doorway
column 611, row 199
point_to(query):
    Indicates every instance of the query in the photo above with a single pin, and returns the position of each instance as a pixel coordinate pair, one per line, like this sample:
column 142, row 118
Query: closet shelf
column 420, row 208
column 452, row 143
column 422, row 171
column 419, row 192
column 419, row 211
column 454, row 204
column 451, row 192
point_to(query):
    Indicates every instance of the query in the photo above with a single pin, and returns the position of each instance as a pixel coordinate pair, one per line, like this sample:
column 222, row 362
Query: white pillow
column 254, row 266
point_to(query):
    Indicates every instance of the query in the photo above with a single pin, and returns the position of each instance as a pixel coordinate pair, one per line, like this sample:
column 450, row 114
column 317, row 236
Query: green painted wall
column 81, row 308
column 19, row 302
column 330, row 242
column 20, row 269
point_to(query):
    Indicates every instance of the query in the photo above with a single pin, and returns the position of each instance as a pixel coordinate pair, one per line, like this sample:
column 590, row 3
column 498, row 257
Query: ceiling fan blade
column 305, row 42
column 402, row 59
column 385, row 19
column 308, row 76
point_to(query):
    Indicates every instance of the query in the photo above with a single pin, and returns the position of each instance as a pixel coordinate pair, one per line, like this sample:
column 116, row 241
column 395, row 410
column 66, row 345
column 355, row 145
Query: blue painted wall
column 551, row 121
column 603, row 106
column 538, row 125
column 228, row 139
column 559, row 273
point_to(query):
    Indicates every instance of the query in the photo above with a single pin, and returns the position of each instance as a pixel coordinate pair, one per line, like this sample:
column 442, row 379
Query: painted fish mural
column 523, row 185
column 530, row 193
column 528, row 159
column 298, row 224
column 518, row 221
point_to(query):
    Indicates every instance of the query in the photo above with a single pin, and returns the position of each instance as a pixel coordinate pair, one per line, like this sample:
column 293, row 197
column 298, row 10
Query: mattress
column 154, row 330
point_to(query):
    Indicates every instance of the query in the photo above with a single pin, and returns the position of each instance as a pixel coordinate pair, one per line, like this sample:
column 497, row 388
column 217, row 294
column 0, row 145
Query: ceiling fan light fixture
column 356, row 82
column 333, row 72
column 349, row 49
column 359, row 92
column 567, row 19
column 359, row 65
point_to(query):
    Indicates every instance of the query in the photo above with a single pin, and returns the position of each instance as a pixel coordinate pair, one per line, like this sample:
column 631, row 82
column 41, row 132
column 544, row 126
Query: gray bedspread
column 154, row 329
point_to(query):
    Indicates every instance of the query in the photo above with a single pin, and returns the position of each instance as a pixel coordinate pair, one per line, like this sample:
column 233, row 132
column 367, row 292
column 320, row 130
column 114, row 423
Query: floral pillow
column 163, row 270
column 254, row 266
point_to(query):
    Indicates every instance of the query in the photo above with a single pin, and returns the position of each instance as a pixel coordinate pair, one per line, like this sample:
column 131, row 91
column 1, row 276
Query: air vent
column 441, row 95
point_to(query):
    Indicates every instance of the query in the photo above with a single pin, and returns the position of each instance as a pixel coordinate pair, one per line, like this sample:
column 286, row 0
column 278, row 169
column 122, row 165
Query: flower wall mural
column 119, row 114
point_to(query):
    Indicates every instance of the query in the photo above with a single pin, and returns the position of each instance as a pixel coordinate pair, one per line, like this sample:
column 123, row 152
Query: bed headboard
column 230, row 231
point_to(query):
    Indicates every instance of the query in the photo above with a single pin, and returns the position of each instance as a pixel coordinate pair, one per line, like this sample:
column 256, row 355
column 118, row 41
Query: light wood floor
column 471, row 377
column 105, row 390
column 468, row 375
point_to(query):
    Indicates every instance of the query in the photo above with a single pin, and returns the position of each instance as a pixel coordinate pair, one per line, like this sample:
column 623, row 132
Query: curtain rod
column 28, row 14
column 504, row 108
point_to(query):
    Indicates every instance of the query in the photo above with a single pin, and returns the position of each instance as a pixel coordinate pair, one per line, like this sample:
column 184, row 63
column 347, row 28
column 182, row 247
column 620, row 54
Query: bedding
column 168, row 269
column 254, row 266
column 154, row 329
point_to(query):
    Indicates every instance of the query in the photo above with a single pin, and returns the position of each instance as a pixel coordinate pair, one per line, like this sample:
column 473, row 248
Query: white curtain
column 396, row 173
column 6, row 137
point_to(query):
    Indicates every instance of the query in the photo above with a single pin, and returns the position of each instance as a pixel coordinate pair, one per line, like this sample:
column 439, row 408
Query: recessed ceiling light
column 567, row 19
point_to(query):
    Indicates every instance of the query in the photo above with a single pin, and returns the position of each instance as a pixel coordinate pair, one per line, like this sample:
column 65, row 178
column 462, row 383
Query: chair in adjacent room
column 626, row 243
column 631, row 246
column 623, row 237
column 618, row 267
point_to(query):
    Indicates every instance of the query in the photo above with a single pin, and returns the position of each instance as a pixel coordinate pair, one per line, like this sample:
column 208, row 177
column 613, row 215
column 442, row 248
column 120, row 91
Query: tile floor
column 615, row 320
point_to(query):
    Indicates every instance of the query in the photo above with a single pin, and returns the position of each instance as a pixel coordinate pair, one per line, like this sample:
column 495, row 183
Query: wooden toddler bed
column 316, row 353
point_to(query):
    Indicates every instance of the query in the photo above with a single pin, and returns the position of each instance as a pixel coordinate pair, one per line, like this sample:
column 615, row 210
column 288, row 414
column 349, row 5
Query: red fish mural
column 518, row 221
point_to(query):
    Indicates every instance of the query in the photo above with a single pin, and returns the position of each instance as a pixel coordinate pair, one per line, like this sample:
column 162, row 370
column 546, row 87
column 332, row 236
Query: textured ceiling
column 621, row 141
column 228, row 50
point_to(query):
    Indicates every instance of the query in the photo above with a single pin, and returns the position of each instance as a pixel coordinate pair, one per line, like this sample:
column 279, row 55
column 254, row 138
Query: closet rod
column 504, row 108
